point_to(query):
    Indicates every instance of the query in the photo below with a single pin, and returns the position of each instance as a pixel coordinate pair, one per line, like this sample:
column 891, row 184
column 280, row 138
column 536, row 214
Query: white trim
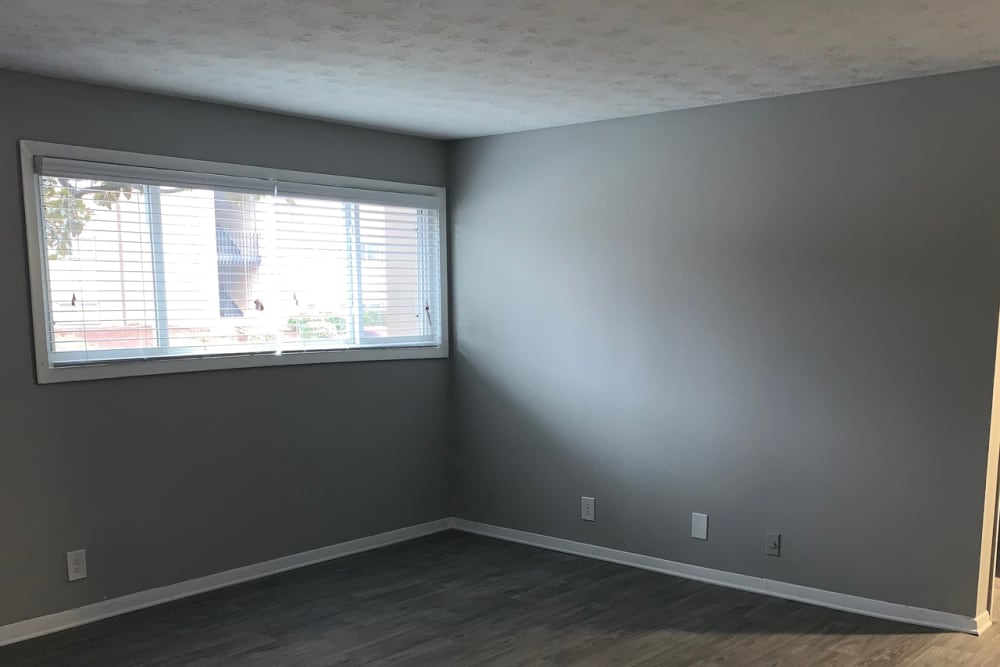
column 850, row 603
column 251, row 177
column 227, row 169
column 63, row 620
column 984, row 621
column 165, row 365
column 37, row 278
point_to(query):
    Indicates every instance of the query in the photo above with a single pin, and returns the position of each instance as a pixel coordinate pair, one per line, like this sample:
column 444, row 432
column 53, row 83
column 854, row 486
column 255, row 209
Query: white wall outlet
column 76, row 564
column 772, row 544
column 588, row 509
column 699, row 526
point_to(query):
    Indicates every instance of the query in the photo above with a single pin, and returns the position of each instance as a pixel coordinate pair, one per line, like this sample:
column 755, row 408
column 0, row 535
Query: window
column 143, row 264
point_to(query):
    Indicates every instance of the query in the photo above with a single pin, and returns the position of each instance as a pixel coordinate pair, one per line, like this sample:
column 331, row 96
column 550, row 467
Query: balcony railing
column 236, row 248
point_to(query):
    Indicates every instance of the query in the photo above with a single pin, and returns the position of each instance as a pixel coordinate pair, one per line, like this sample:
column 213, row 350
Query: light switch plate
column 699, row 526
column 772, row 544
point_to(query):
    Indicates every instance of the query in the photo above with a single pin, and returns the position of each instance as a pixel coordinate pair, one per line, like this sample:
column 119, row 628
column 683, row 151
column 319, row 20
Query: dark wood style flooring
column 457, row 599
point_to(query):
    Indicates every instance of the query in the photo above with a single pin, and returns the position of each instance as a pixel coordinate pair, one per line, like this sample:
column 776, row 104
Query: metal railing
column 237, row 248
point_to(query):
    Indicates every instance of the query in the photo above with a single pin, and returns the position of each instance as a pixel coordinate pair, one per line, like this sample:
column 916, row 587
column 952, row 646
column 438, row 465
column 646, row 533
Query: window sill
column 163, row 366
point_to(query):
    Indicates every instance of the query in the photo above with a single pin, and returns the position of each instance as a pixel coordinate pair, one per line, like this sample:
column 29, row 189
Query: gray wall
column 167, row 478
column 782, row 313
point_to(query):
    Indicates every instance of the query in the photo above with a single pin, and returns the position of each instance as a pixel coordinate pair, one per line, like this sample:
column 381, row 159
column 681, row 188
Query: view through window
column 143, row 269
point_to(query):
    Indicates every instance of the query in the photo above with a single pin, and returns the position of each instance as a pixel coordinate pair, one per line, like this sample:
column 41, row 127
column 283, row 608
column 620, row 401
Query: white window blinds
column 143, row 264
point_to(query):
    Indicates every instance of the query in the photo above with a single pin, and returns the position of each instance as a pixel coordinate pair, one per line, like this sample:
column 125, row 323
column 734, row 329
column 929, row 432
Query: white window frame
column 303, row 183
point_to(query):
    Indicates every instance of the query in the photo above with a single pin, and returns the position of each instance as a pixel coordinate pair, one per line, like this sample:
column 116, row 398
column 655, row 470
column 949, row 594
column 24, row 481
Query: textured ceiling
column 459, row 68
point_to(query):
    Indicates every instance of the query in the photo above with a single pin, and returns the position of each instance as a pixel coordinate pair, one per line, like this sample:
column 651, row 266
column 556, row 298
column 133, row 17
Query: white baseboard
column 63, row 620
column 851, row 603
column 983, row 623
column 43, row 625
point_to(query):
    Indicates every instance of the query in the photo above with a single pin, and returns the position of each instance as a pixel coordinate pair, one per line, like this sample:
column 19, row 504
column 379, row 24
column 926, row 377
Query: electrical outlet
column 76, row 564
column 699, row 526
column 587, row 509
column 772, row 544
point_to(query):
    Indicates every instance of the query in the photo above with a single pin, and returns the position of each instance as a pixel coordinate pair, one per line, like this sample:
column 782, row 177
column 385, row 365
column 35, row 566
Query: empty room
column 457, row 332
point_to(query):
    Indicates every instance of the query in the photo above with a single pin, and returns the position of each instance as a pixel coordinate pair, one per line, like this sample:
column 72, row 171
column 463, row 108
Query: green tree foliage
column 66, row 208
column 67, row 211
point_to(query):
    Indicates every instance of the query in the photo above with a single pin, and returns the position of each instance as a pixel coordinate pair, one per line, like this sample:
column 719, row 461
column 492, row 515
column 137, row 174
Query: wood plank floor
column 457, row 599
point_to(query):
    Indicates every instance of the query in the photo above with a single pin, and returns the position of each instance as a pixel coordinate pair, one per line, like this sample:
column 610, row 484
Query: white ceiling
column 459, row 68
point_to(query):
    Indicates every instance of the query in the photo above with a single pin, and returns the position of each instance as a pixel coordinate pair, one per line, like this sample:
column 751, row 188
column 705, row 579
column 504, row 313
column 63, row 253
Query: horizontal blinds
column 104, row 171
column 147, row 263
column 100, row 171
column 405, row 199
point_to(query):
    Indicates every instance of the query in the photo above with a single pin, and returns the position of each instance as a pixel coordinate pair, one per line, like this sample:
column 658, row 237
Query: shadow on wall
column 534, row 440
column 511, row 424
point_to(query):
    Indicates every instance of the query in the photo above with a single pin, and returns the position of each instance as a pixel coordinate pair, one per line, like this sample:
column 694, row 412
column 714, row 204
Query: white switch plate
column 587, row 508
column 699, row 526
column 772, row 544
column 76, row 564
